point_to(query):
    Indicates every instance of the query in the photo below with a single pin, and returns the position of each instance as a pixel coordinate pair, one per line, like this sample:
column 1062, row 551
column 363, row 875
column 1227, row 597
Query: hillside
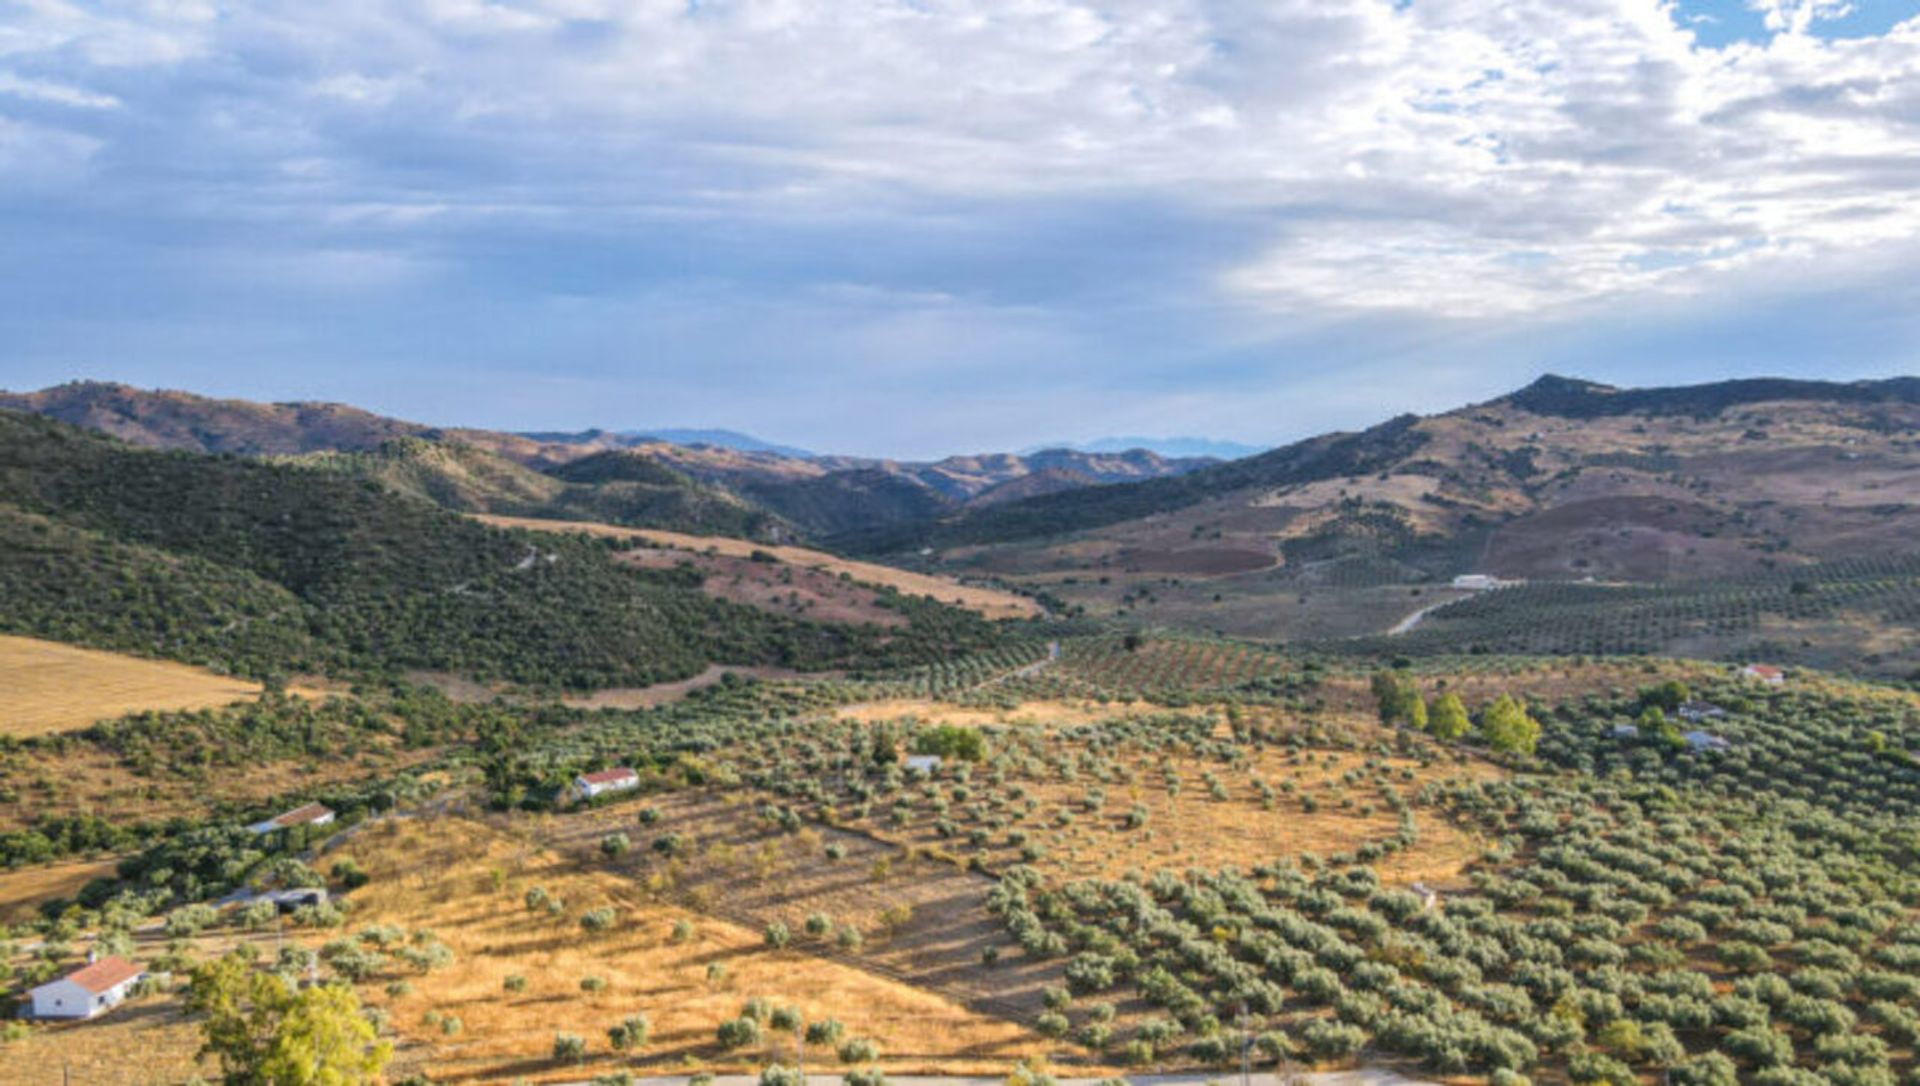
column 263, row 566
column 1560, row 482
column 694, row 481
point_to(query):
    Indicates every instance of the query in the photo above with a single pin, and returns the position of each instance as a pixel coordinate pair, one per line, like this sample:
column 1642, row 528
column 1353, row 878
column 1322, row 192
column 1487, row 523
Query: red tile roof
column 1764, row 671
column 302, row 814
column 608, row 776
column 104, row 974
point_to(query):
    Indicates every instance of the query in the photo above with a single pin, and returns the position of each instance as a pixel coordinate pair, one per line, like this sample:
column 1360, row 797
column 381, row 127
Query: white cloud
column 1452, row 157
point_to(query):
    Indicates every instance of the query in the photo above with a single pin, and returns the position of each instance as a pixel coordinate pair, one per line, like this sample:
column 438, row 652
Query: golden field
column 466, row 880
column 51, row 687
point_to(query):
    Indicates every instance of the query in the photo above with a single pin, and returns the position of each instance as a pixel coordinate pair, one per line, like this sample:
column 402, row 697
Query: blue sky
column 914, row 227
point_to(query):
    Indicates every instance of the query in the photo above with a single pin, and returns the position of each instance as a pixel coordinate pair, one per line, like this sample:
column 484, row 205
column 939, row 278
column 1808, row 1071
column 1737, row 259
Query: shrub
column 630, row 1035
column 858, row 1050
column 569, row 1047
column 739, row 1032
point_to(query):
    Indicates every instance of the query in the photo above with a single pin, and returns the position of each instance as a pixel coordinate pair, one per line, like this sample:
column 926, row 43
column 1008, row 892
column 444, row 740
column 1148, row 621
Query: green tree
column 1398, row 699
column 265, row 1032
column 1447, row 718
column 1507, row 727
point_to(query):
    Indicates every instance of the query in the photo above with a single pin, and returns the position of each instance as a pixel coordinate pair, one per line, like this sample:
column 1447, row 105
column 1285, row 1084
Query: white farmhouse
column 589, row 785
column 1476, row 582
column 313, row 814
column 87, row 991
column 1763, row 673
column 923, row 763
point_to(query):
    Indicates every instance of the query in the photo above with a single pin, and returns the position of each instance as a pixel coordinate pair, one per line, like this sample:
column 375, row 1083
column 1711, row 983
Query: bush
column 569, row 1047
column 858, row 1050
column 630, row 1035
column 777, row 935
column 739, row 1032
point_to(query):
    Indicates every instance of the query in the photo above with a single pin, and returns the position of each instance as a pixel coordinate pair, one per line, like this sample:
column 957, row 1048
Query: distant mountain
column 722, row 439
column 714, row 481
column 1171, row 447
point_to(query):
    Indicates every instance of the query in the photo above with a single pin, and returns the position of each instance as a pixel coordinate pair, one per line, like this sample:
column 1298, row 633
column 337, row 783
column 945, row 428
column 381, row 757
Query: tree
column 1507, row 726
column 1447, row 718
column 1399, row 700
column 265, row 1032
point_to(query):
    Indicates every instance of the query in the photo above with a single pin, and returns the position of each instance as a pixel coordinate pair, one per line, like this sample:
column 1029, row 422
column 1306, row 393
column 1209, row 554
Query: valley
column 1122, row 779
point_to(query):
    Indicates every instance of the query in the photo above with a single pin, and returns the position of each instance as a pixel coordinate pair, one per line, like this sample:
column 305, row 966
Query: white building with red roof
column 1764, row 673
column 619, row 779
column 313, row 814
column 88, row 990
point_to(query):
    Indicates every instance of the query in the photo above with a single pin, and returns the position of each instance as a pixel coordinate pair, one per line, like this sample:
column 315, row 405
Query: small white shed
column 589, row 785
column 923, row 763
column 87, row 991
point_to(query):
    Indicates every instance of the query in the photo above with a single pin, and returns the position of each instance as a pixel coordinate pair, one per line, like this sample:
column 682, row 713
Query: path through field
column 1413, row 620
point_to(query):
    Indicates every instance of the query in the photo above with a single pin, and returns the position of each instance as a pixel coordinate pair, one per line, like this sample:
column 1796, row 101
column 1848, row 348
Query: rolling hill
column 698, row 481
column 263, row 567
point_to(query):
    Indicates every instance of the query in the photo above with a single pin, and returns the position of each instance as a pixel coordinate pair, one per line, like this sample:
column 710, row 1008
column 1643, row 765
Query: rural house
column 88, row 990
column 923, row 763
column 589, row 785
column 313, row 814
column 1764, row 673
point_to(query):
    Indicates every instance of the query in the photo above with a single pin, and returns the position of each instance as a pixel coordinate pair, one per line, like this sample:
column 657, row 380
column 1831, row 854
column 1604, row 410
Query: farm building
column 1626, row 731
column 923, row 763
column 1477, row 582
column 88, row 990
column 1697, row 711
column 1699, row 740
column 313, row 814
column 1764, row 673
column 589, row 785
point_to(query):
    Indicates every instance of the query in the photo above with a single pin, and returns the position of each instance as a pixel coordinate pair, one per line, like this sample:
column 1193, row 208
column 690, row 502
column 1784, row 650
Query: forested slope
column 264, row 566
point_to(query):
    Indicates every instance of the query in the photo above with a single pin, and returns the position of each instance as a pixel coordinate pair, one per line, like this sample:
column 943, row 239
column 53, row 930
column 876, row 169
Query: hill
column 1559, row 482
column 262, row 566
column 701, row 481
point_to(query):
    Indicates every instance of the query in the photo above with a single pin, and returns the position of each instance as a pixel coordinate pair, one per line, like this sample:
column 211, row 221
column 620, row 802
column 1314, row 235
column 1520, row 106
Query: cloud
column 1136, row 191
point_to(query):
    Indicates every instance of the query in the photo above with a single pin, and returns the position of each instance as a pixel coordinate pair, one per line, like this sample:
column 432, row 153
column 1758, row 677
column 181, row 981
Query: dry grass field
column 143, row 1043
column 23, row 889
column 988, row 602
column 51, row 687
column 1195, row 830
column 88, row 780
column 466, row 880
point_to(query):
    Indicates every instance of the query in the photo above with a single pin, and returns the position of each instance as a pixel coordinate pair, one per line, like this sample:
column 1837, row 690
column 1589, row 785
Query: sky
column 919, row 227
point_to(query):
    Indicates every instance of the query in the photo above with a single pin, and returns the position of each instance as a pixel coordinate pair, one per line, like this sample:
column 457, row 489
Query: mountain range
column 707, row 480
column 1563, row 482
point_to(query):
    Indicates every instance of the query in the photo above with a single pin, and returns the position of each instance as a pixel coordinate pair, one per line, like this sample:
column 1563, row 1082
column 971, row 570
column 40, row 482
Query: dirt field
column 51, row 687
column 440, row 875
column 23, row 889
column 816, row 594
column 738, row 865
column 989, row 602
